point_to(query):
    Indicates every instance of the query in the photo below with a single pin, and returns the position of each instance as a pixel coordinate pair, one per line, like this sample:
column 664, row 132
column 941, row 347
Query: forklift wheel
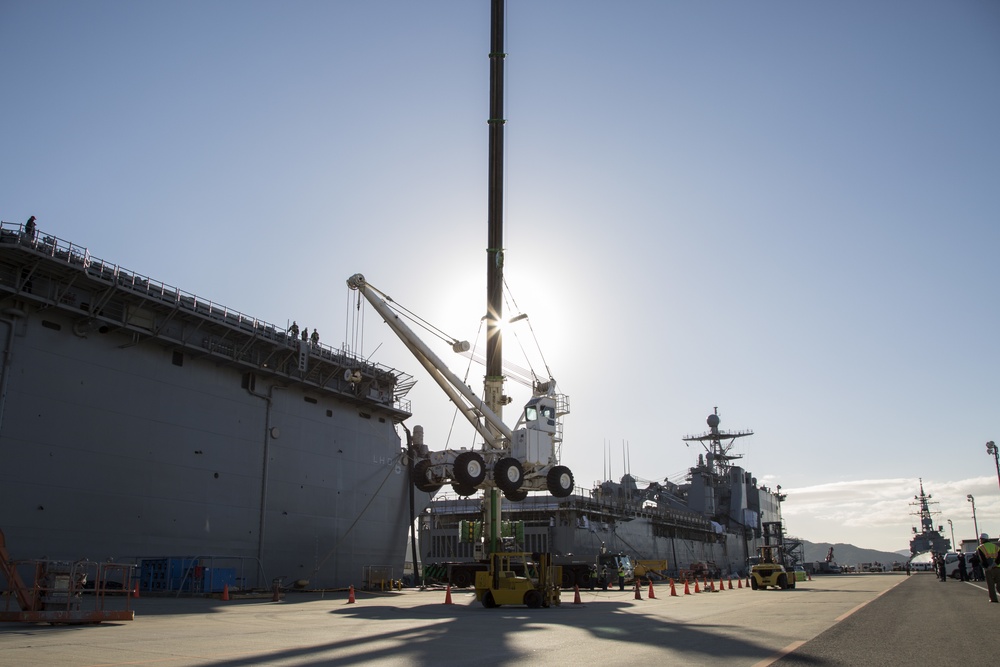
column 533, row 599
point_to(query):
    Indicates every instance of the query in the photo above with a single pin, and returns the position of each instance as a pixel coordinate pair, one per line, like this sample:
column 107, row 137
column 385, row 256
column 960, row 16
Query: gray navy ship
column 710, row 523
column 139, row 421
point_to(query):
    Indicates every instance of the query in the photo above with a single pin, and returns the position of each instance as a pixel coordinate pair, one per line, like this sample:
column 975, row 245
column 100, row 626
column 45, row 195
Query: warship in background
column 711, row 523
column 142, row 422
column 927, row 539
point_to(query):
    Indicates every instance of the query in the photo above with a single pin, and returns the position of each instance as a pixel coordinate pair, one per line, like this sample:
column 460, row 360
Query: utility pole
column 975, row 523
column 991, row 448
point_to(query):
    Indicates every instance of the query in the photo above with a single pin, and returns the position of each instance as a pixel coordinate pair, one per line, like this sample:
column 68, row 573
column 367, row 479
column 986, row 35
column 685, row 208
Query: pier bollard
column 447, row 595
column 350, row 596
column 652, row 596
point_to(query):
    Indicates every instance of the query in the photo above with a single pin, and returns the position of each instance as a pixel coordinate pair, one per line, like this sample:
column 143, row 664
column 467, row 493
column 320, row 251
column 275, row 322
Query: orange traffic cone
column 687, row 587
column 276, row 592
column 696, row 589
column 638, row 595
column 739, row 582
column 135, row 591
column 350, row 596
column 225, row 593
column 652, row 596
column 447, row 595
column 730, row 583
column 722, row 585
column 673, row 590
column 576, row 595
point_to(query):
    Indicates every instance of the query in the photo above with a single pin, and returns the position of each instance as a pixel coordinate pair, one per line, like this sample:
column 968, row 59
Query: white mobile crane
column 516, row 460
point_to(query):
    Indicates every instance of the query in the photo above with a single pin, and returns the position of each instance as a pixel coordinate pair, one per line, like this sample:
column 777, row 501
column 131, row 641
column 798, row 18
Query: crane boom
column 470, row 405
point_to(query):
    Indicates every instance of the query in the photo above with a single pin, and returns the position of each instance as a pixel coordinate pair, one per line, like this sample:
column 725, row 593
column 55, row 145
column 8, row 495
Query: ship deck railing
column 582, row 499
column 112, row 274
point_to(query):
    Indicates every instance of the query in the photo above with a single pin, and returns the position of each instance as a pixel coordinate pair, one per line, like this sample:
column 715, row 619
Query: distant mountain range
column 848, row 554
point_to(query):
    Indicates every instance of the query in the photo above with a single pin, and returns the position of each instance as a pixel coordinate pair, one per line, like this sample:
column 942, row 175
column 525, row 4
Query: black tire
column 791, row 585
column 469, row 469
column 533, row 599
column 508, row 474
column 568, row 577
column 461, row 578
column 560, row 481
column 462, row 489
column 515, row 496
column 488, row 601
column 782, row 582
column 753, row 584
column 420, row 477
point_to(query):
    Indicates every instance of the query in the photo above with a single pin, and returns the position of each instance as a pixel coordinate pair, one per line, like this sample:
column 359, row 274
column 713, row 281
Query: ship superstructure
column 138, row 420
column 927, row 538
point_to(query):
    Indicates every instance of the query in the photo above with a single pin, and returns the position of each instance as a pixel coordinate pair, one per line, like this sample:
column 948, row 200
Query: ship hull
column 135, row 427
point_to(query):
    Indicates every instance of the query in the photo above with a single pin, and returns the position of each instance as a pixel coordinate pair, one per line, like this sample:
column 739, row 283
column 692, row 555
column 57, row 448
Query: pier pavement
column 867, row 619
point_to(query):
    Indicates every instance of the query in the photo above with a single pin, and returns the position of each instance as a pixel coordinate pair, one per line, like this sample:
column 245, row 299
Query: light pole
column 952, row 526
column 991, row 448
column 974, row 522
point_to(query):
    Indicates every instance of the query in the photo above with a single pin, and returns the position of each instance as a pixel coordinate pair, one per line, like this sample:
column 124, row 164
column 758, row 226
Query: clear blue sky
column 788, row 210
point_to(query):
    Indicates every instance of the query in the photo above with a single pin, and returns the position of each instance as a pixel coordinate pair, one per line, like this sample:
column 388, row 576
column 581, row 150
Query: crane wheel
column 419, row 477
column 533, row 599
column 515, row 496
column 469, row 469
column 560, row 481
column 508, row 474
column 462, row 489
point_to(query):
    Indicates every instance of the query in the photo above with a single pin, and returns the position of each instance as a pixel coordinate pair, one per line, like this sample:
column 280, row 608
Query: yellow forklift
column 771, row 568
column 518, row 577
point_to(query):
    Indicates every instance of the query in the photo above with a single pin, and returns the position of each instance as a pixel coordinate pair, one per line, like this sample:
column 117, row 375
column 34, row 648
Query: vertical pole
column 494, row 249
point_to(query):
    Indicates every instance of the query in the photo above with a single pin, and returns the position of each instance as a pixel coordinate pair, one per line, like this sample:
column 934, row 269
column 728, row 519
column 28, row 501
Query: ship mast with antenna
column 928, row 538
column 716, row 446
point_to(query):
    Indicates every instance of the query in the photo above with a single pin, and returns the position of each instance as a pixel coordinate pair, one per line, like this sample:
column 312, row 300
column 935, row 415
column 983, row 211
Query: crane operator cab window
column 540, row 414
